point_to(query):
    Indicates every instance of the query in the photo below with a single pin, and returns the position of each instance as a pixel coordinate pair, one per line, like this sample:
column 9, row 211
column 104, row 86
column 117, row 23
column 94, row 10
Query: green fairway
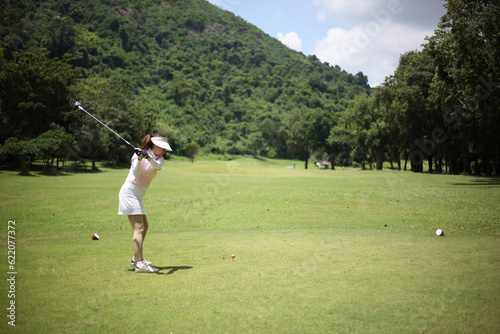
column 316, row 251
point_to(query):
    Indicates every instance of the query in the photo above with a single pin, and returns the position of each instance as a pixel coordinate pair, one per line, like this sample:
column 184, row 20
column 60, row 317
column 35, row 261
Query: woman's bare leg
column 146, row 226
column 139, row 224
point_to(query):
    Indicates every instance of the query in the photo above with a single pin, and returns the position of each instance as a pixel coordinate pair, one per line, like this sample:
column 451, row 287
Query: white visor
column 161, row 142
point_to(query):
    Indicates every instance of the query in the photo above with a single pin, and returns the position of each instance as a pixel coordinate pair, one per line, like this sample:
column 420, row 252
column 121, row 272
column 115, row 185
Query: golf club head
column 77, row 105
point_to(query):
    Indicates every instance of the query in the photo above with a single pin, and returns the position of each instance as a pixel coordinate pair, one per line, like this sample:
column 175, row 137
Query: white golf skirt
column 130, row 198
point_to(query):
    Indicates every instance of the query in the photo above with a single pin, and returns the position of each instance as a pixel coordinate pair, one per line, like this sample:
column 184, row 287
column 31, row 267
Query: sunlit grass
column 315, row 251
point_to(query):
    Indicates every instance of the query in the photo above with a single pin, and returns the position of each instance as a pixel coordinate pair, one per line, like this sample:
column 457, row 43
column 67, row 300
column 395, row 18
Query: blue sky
column 358, row 35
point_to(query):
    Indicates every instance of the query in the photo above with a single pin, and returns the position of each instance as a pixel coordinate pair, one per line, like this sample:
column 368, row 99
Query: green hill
column 186, row 68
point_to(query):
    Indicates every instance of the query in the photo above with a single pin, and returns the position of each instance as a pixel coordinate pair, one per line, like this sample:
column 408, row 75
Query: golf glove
column 140, row 154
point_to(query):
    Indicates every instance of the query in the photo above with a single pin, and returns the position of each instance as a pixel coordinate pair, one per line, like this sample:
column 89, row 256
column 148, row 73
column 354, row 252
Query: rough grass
column 316, row 251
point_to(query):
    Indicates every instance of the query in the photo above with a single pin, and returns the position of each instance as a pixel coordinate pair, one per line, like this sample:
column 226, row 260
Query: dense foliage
column 184, row 68
column 441, row 105
column 203, row 76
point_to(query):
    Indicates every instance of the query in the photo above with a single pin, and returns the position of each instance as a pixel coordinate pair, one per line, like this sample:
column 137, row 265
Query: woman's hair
column 146, row 142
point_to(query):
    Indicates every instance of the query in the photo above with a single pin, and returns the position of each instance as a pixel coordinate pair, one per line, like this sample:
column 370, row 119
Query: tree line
column 187, row 69
column 208, row 79
column 442, row 104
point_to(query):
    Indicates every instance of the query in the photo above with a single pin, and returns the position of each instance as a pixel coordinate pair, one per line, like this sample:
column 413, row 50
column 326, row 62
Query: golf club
column 78, row 105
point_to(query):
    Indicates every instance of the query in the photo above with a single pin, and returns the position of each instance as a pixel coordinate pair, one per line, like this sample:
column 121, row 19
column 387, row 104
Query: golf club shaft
column 107, row 127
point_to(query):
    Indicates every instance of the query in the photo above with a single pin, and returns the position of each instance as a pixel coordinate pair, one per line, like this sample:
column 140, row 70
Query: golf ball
column 439, row 232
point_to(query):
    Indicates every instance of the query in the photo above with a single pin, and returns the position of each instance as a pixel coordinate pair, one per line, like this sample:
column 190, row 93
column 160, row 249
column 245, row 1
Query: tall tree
column 34, row 92
column 341, row 142
column 111, row 101
column 359, row 117
column 470, row 70
column 306, row 130
column 413, row 79
column 384, row 97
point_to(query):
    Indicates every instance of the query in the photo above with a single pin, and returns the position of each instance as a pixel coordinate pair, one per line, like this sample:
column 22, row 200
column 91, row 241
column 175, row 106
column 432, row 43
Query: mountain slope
column 188, row 68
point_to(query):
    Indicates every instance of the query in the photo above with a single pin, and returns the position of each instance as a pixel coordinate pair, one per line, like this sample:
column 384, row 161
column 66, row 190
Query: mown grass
column 317, row 251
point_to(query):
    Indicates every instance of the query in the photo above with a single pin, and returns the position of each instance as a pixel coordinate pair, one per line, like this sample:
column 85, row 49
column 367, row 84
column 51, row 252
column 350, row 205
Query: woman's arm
column 136, row 167
column 155, row 163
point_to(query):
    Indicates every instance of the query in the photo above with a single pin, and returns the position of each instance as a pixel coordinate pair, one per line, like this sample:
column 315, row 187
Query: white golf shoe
column 147, row 268
column 133, row 263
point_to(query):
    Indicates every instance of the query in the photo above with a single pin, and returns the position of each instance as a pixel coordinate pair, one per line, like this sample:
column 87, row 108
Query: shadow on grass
column 486, row 181
column 171, row 270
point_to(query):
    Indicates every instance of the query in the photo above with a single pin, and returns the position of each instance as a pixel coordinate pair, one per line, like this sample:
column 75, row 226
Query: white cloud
column 409, row 12
column 291, row 39
column 357, row 35
column 351, row 9
column 322, row 15
column 372, row 49
column 370, row 35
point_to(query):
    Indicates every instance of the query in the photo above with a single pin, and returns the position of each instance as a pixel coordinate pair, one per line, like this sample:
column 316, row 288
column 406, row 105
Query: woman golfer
column 145, row 163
